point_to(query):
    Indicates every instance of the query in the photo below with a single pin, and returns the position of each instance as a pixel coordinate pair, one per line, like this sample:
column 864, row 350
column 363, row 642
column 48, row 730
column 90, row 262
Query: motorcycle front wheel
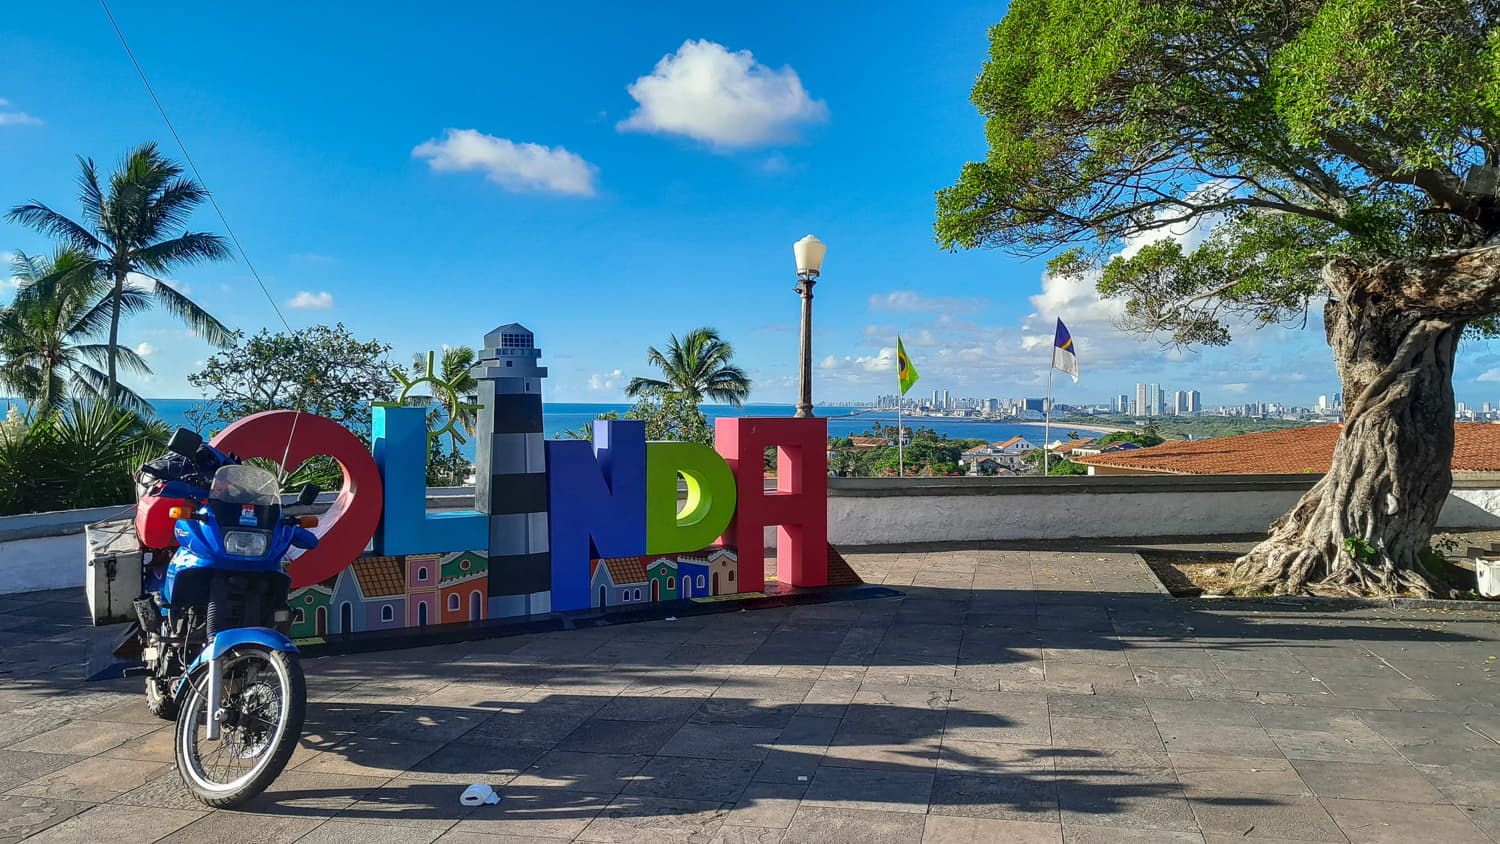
column 264, row 698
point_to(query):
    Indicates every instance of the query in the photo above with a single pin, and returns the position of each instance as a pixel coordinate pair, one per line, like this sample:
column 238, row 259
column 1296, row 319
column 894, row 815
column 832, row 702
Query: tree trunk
column 1363, row 528
column 114, row 335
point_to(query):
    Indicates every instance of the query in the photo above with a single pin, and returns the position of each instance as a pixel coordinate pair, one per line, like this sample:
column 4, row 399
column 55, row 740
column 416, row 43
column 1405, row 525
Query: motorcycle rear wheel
column 264, row 697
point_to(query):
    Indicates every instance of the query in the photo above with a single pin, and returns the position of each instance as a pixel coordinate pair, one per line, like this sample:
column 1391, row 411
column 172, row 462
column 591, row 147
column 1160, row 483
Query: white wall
column 880, row 512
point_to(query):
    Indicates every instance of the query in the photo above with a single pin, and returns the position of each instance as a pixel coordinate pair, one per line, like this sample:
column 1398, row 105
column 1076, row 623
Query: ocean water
column 842, row 422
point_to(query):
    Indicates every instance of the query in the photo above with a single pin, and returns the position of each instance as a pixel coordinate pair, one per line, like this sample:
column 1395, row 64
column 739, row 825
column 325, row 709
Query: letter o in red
column 349, row 525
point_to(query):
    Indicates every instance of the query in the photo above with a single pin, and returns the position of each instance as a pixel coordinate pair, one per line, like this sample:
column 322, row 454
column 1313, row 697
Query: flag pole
column 1047, row 417
column 900, row 447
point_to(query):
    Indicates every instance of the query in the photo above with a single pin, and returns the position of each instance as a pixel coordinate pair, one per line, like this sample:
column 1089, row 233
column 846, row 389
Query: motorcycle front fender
column 228, row 639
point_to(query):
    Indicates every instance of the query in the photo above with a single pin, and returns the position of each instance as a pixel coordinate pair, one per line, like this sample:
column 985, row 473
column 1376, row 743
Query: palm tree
column 45, row 355
column 695, row 366
column 136, row 228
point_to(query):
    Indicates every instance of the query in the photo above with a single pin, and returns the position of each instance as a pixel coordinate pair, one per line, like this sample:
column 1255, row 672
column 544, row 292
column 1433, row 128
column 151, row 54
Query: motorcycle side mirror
column 184, row 442
column 308, row 495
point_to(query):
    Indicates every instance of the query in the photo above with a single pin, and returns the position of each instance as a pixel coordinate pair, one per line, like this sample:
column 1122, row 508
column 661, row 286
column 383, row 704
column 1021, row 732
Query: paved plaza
column 1037, row 695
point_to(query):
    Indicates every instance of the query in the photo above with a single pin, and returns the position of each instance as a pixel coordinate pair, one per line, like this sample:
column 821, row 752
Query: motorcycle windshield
column 245, row 485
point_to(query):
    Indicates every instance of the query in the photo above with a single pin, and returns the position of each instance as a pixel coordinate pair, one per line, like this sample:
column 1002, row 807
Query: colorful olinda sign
column 557, row 524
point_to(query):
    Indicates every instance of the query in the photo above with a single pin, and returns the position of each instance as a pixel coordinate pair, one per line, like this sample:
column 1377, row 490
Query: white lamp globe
column 809, row 252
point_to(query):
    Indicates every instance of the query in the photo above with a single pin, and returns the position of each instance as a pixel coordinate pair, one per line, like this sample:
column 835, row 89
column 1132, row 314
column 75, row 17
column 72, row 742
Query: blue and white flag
column 1064, row 356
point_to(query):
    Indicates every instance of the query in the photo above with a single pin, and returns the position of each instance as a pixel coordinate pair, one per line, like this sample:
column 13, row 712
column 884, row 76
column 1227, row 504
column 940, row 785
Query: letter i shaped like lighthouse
column 510, row 477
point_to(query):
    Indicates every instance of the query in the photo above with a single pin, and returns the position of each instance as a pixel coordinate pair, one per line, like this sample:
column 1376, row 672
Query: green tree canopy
column 1334, row 154
column 321, row 369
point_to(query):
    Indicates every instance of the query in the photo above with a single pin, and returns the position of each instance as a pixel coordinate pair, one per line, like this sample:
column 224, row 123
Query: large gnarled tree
column 1342, row 152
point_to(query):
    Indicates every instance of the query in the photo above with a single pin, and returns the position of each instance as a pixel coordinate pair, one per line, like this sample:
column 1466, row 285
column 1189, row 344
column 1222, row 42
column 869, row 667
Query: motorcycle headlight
column 244, row 543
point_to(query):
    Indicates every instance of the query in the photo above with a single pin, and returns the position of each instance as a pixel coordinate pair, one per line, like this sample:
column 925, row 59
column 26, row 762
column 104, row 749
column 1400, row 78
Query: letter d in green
column 710, row 497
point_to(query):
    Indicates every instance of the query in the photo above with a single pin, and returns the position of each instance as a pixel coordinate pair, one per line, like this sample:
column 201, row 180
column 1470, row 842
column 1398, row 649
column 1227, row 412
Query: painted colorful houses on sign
column 557, row 525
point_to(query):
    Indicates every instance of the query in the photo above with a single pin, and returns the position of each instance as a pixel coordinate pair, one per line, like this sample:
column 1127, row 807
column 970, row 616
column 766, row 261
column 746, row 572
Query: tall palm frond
column 134, row 226
column 697, row 365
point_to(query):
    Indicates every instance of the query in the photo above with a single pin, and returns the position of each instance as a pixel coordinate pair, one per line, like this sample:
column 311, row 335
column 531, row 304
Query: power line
column 297, row 411
column 194, row 167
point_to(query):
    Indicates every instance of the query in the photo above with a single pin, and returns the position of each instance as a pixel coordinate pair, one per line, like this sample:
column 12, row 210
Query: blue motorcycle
column 213, row 618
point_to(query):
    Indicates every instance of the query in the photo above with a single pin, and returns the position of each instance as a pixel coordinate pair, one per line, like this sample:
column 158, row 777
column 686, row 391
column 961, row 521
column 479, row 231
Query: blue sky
column 603, row 173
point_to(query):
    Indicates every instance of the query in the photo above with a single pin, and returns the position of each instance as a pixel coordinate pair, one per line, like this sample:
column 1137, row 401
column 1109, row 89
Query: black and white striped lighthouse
column 510, row 478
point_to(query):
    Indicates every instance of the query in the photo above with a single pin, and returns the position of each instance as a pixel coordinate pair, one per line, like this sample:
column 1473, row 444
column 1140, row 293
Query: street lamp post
column 809, row 252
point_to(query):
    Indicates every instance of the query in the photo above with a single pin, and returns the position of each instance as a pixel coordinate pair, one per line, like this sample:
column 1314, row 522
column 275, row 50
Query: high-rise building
column 1122, row 403
column 1322, row 402
column 1154, row 401
column 934, row 398
column 1142, row 400
column 1195, row 402
column 1180, row 403
column 947, row 401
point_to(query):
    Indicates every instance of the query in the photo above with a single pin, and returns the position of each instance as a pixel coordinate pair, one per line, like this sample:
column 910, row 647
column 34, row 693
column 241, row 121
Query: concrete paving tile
column 1487, row 820
column 1242, row 774
column 632, row 818
column 23, row 816
column 405, row 802
column 458, row 762
column 157, row 746
column 1263, row 816
column 809, row 729
column 83, row 738
column 902, row 721
column 1395, row 782
column 1015, row 794
column 1097, row 706
column 602, row 773
column 117, row 825
column 945, row 829
column 1082, row 761
column 1278, row 717
column 258, row 827
column 721, row 741
column 1472, row 783
column 679, row 778
column 346, row 832
column 767, row 805
column 165, row 791
column 1228, row 713
column 1172, row 679
column 367, row 755
column 1291, row 682
column 861, row 788
column 533, row 814
column 1139, row 799
column 841, row 825
column 429, row 724
column 18, row 767
column 986, row 757
column 743, row 712
column 93, row 780
column 607, row 736
column 1378, row 822
column 1106, row 733
column 1077, row 834
column 790, row 764
column 882, row 752
column 1198, row 737
column 1334, row 747
column 629, row 707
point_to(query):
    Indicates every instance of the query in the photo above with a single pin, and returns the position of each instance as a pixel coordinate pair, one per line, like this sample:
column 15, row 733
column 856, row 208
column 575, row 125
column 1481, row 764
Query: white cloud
column 1489, row 376
column 517, row 167
column 882, row 361
column 725, row 99
column 910, row 301
column 1234, row 388
column 304, row 299
column 16, row 118
column 145, row 350
column 606, row 381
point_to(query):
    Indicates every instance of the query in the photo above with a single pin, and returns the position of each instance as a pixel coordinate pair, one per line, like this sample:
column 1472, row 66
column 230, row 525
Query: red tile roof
column 1065, row 447
column 1009, row 442
column 1287, row 452
column 380, row 577
column 622, row 570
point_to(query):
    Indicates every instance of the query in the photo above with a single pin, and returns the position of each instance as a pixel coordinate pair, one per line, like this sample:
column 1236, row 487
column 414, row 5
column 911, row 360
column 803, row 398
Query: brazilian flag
column 905, row 372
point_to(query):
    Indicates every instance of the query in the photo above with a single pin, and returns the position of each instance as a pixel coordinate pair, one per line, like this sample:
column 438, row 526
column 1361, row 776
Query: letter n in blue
column 596, row 496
